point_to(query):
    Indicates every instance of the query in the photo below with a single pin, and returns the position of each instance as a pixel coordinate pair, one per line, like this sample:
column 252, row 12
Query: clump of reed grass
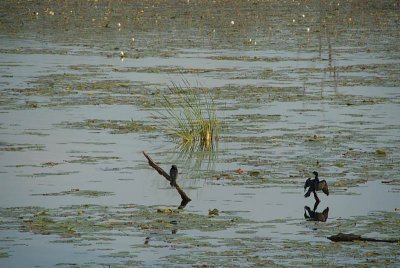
column 190, row 116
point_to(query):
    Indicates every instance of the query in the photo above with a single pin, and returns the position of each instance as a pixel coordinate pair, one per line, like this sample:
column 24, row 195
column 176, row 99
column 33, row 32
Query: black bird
column 315, row 185
column 173, row 174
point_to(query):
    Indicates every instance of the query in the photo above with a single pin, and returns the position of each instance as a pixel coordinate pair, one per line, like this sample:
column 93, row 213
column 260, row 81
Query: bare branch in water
column 185, row 198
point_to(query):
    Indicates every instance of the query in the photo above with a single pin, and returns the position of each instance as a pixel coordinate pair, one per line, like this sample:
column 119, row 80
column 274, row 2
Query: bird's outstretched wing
column 324, row 187
column 307, row 184
column 310, row 190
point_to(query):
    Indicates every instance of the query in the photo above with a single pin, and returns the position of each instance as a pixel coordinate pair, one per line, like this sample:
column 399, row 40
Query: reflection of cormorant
column 315, row 216
column 173, row 173
column 315, row 185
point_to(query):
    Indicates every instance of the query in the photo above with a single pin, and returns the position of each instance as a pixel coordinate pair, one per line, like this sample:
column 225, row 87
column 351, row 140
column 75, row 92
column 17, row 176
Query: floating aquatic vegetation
column 21, row 147
column 213, row 212
column 50, row 164
column 45, row 174
column 170, row 70
column 115, row 126
column 91, row 221
column 106, row 85
column 340, row 164
column 263, row 59
column 166, row 210
column 4, row 254
column 88, row 159
column 33, row 133
column 381, row 152
column 78, row 192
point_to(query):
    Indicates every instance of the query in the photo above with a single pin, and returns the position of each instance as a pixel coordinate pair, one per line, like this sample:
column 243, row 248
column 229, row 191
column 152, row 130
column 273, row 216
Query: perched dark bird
column 173, row 173
column 315, row 185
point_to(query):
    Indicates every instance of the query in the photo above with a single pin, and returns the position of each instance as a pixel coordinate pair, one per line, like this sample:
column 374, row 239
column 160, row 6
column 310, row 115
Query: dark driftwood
column 185, row 198
column 341, row 237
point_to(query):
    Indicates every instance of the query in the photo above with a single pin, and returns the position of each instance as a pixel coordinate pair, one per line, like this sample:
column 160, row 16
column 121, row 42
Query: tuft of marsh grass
column 190, row 116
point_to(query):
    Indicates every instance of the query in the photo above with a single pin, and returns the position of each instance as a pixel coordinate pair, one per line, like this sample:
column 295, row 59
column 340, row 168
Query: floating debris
column 166, row 210
column 381, row 152
column 213, row 212
column 239, row 171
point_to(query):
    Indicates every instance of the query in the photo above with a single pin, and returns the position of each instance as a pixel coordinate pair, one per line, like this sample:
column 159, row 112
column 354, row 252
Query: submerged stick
column 185, row 198
column 341, row 237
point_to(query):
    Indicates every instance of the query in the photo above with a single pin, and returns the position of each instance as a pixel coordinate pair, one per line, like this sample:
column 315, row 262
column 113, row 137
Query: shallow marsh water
column 299, row 86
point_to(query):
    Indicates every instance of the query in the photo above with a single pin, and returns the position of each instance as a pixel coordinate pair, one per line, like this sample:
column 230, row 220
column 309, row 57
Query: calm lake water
column 298, row 86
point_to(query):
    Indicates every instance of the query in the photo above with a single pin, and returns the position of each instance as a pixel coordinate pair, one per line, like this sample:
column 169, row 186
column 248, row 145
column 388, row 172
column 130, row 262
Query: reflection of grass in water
column 195, row 157
column 190, row 117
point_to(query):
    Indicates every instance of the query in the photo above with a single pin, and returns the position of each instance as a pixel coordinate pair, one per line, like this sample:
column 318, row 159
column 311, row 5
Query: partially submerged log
column 341, row 237
column 185, row 198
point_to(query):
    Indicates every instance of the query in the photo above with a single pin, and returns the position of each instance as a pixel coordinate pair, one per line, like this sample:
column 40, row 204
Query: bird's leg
column 316, row 198
column 316, row 205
